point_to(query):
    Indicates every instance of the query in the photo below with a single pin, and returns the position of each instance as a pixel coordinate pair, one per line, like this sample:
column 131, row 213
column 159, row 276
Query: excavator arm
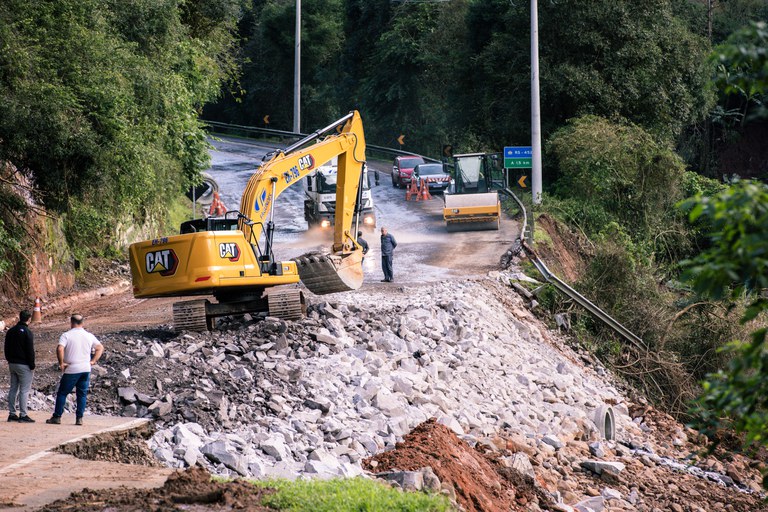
column 287, row 167
column 322, row 273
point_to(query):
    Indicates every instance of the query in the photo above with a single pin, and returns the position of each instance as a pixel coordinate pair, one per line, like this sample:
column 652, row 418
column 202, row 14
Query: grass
column 180, row 210
column 541, row 237
column 353, row 495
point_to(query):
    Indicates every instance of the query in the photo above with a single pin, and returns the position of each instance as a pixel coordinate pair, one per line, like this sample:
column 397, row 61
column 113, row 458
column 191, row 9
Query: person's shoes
column 25, row 419
column 385, row 280
column 13, row 417
column 79, row 421
column 54, row 420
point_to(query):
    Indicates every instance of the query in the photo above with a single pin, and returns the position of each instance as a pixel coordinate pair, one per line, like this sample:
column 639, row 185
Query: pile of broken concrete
column 269, row 398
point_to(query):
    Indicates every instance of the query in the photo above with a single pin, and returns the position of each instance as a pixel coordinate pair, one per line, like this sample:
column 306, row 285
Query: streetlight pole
column 297, row 72
column 535, row 107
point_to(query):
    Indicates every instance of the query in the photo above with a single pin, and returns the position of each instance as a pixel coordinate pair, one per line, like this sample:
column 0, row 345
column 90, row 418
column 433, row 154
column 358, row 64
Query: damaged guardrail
column 564, row 288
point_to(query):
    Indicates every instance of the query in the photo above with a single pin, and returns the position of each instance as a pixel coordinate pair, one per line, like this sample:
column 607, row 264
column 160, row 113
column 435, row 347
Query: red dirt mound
column 479, row 486
column 190, row 490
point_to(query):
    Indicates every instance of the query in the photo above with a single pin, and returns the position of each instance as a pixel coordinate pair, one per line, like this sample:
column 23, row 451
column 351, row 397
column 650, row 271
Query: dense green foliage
column 458, row 72
column 735, row 267
column 99, row 104
column 618, row 186
column 352, row 494
column 629, row 59
column 617, row 172
column 742, row 65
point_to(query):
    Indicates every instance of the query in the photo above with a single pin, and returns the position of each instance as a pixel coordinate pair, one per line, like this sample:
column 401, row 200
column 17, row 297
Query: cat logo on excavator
column 229, row 251
column 163, row 262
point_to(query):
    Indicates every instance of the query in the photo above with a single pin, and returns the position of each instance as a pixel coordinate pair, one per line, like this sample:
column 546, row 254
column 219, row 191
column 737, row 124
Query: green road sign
column 517, row 163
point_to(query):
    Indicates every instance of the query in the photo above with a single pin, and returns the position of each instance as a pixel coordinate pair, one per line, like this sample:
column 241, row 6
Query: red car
column 402, row 169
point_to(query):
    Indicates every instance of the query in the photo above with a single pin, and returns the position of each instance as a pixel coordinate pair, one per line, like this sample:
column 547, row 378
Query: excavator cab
column 207, row 224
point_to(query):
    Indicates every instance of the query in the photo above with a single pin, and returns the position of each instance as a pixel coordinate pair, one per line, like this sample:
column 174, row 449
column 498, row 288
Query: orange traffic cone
column 217, row 206
column 37, row 311
column 424, row 192
column 221, row 210
column 412, row 191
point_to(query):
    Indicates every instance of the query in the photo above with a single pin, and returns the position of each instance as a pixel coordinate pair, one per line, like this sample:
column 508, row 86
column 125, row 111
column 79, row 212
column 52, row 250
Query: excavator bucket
column 329, row 273
column 470, row 212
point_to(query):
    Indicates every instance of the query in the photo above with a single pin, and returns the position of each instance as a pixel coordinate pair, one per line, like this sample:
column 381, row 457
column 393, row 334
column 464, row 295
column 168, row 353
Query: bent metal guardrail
column 564, row 288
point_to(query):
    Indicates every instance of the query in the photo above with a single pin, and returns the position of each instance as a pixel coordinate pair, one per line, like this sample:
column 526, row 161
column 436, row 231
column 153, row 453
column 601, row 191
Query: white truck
column 320, row 197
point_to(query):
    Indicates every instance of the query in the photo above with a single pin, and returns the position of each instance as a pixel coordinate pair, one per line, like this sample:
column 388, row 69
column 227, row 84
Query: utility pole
column 535, row 107
column 297, row 73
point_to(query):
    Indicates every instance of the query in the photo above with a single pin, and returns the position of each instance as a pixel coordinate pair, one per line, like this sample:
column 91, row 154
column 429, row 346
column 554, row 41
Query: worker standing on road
column 362, row 243
column 388, row 245
column 77, row 352
column 20, row 354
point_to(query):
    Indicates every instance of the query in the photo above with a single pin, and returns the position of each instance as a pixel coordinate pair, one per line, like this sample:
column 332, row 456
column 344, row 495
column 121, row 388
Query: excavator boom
column 288, row 167
column 321, row 273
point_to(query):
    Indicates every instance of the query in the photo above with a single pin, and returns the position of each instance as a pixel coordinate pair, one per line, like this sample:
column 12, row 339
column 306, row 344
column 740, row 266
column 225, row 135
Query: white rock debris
column 311, row 399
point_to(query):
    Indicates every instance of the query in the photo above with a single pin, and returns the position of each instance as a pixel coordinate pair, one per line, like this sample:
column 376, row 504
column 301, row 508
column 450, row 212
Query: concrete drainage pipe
column 606, row 422
column 203, row 193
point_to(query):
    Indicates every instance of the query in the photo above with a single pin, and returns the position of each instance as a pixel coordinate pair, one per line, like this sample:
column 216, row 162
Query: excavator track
column 325, row 273
column 190, row 315
column 288, row 304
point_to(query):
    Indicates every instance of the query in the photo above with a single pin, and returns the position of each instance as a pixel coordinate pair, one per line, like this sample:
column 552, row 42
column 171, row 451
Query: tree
column 628, row 59
column 733, row 15
column 99, row 106
column 395, row 89
column 614, row 59
column 742, row 68
column 617, row 171
column 735, row 268
column 268, row 37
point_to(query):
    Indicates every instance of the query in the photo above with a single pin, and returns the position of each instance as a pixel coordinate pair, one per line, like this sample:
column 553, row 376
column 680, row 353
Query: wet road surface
column 425, row 251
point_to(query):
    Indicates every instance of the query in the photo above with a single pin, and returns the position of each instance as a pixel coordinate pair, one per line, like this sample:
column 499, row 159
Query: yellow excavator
column 232, row 257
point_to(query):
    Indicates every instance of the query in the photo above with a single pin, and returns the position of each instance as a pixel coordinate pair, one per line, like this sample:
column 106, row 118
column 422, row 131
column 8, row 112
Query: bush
column 619, row 171
column 88, row 231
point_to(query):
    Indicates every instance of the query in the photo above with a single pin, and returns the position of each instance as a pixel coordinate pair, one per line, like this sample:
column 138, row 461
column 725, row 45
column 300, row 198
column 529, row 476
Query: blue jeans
column 68, row 381
column 386, row 266
column 21, row 383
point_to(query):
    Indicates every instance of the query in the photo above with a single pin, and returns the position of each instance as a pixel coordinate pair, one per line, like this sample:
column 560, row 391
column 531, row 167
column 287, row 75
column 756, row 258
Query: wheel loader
column 473, row 203
column 232, row 258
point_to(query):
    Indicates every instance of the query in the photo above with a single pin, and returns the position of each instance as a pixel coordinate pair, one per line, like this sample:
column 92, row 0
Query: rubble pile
column 315, row 397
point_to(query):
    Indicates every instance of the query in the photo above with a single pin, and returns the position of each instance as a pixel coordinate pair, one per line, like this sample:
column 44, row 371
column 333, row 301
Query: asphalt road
column 425, row 252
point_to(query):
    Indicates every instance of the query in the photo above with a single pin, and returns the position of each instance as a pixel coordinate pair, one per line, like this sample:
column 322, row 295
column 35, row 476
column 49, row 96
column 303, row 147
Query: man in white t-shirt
column 78, row 350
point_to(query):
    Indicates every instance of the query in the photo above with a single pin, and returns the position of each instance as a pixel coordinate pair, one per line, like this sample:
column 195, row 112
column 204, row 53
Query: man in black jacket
column 20, row 354
column 361, row 241
column 388, row 245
